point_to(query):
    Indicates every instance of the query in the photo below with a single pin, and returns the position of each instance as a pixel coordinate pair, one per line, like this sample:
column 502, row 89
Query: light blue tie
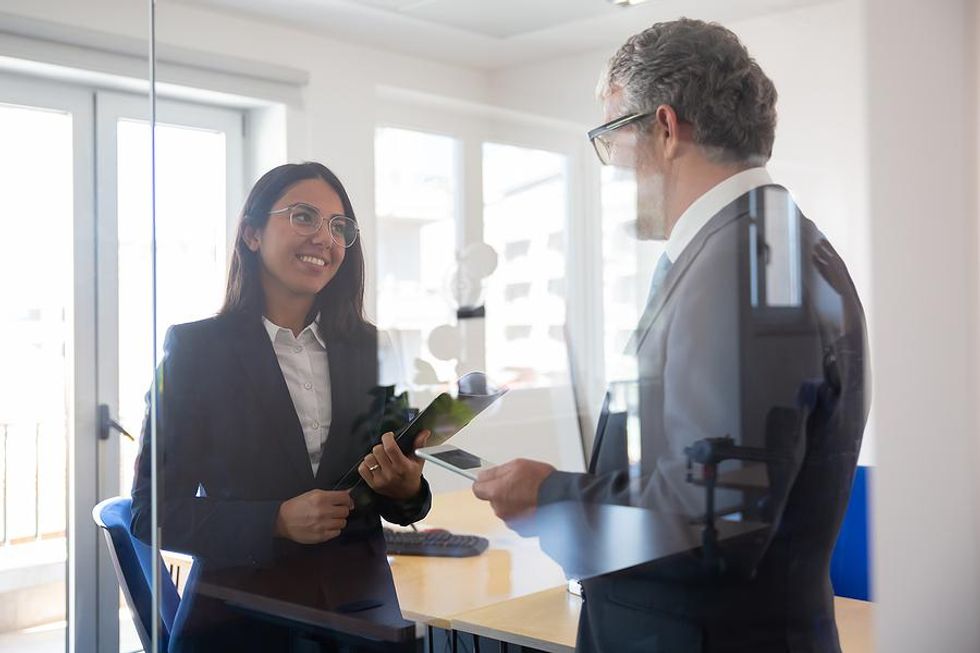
column 659, row 275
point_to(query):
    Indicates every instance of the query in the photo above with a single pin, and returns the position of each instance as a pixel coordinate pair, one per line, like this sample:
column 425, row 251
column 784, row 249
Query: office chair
column 133, row 562
column 849, row 571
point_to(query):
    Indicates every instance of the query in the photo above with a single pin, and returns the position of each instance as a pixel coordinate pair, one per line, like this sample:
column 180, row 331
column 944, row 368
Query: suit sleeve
column 408, row 511
column 222, row 531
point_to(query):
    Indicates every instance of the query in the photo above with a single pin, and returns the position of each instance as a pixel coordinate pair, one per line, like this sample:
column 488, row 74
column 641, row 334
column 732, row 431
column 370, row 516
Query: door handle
column 106, row 424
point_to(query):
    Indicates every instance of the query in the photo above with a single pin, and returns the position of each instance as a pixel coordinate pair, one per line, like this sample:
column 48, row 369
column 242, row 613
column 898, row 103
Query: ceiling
column 487, row 34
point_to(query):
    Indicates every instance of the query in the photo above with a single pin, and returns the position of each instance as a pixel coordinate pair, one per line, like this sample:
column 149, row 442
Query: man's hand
column 313, row 517
column 512, row 488
column 391, row 473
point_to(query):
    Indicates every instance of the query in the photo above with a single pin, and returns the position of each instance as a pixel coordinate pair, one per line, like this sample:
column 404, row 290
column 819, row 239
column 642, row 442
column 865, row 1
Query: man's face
column 637, row 149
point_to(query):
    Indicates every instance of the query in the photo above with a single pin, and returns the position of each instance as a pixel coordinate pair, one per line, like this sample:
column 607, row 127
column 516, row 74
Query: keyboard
column 435, row 542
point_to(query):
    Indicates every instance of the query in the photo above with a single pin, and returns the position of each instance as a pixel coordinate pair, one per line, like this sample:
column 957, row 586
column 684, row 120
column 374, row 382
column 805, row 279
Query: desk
column 512, row 566
column 529, row 604
column 855, row 624
column 548, row 621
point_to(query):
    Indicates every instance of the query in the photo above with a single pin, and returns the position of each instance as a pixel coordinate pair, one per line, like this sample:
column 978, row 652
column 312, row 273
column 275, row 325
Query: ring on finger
column 373, row 467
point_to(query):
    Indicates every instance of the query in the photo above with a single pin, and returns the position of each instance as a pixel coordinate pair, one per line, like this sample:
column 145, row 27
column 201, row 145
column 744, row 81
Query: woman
column 263, row 409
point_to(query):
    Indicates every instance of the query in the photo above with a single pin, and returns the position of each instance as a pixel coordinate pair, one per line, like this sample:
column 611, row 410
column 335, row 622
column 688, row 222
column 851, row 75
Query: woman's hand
column 391, row 473
column 313, row 517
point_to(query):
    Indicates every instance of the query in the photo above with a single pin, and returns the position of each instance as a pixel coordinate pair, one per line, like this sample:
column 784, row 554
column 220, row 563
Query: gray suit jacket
column 749, row 336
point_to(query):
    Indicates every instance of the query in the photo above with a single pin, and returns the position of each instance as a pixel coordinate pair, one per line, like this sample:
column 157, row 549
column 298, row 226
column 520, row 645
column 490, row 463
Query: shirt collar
column 272, row 329
column 700, row 212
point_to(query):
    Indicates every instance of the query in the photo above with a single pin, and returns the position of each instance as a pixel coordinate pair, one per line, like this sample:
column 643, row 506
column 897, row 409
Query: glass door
column 198, row 177
column 48, row 540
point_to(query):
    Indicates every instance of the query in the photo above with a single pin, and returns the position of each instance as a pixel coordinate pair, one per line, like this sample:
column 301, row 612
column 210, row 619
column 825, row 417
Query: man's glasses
column 306, row 220
column 604, row 141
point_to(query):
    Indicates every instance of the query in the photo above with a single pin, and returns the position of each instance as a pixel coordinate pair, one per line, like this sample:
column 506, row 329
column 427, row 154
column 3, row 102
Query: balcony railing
column 33, row 482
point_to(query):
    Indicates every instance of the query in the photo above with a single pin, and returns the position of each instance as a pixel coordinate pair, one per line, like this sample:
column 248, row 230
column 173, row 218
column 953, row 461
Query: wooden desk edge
column 855, row 621
column 466, row 622
column 445, row 623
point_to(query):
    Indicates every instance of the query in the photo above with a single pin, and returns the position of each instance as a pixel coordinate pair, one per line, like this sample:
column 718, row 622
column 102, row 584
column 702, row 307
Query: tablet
column 444, row 417
column 455, row 460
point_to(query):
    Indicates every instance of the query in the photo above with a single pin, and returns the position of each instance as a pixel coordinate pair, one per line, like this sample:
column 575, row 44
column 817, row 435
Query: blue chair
column 133, row 562
column 849, row 568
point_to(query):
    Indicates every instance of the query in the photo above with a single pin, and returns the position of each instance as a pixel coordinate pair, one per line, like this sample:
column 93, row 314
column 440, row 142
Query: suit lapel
column 334, row 454
column 353, row 424
column 264, row 377
column 654, row 308
column 357, row 407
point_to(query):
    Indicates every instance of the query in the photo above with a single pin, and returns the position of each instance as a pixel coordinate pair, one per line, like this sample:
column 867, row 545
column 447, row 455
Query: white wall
column 922, row 114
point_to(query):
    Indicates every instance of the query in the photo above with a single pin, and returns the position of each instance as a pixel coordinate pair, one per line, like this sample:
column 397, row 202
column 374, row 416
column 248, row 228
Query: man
column 753, row 330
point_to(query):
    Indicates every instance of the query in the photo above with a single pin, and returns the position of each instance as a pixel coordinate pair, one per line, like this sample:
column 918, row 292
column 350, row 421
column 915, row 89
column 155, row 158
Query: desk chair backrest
column 133, row 561
column 849, row 568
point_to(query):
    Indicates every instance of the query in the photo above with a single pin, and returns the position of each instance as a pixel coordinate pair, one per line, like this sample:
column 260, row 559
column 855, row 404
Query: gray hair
column 706, row 75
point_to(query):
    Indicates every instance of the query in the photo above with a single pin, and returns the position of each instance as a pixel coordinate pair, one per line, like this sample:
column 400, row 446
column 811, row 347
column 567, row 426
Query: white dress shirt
column 700, row 212
column 304, row 365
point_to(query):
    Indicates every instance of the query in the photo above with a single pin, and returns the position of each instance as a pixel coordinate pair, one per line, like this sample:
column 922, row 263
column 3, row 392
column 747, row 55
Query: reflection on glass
column 36, row 341
column 784, row 286
column 416, row 190
column 524, row 217
column 191, row 250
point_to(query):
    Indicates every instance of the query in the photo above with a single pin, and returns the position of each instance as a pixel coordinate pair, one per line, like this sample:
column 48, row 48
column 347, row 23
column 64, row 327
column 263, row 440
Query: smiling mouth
column 313, row 260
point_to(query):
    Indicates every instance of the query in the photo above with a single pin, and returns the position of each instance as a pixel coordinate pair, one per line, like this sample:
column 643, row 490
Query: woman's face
column 292, row 263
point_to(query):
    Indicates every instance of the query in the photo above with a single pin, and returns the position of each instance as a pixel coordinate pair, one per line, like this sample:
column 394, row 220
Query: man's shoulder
column 771, row 207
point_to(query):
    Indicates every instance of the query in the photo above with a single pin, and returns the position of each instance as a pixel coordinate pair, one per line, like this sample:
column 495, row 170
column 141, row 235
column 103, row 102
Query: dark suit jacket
column 726, row 348
column 231, row 450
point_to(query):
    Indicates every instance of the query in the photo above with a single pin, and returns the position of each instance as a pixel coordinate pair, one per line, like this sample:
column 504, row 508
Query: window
column 524, row 216
column 35, row 326
column 416, row 187
column 478, row 219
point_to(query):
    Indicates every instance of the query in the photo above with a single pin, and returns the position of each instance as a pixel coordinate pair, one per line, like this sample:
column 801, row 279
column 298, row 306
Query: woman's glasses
column 306, row 220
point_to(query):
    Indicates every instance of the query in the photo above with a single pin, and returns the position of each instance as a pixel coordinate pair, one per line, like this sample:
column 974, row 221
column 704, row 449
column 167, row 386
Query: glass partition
column 373, row 320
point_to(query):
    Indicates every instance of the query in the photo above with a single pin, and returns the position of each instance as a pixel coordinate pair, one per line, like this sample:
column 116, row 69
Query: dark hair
column 705, row 73
column 340, row 304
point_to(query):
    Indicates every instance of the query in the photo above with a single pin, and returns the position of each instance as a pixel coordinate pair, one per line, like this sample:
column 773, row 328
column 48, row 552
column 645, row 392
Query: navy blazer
column 231, row 448
column 715, row 359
